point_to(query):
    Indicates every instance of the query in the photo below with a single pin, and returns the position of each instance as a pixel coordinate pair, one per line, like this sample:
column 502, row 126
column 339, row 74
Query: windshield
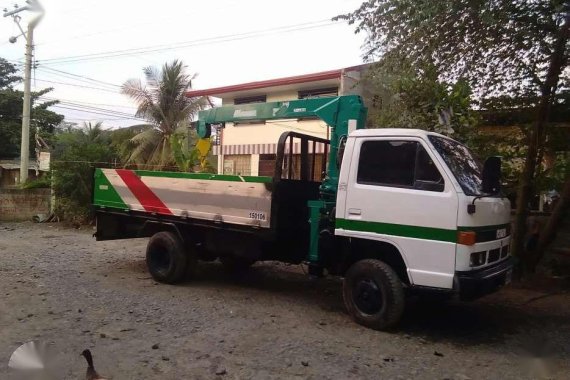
column 465, row 168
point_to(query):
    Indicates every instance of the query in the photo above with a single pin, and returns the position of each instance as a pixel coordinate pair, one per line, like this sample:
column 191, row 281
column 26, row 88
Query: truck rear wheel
column 166, row 257
column 373, row 294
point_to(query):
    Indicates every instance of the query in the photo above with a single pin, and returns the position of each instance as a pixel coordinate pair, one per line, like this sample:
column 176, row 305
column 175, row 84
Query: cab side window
column 398, row 164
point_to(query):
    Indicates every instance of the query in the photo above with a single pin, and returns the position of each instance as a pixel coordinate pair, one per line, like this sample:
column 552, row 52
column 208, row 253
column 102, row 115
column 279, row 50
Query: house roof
column 322, row 76
column 15, row 165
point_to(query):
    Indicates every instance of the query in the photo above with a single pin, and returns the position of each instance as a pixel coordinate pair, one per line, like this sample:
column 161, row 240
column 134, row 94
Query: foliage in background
column 76, row 153
column 42, row 120
column 516, row 50
column 186, row 154
column 407, row 97
column 43, row 182
column 163, row 102
column 121, row 140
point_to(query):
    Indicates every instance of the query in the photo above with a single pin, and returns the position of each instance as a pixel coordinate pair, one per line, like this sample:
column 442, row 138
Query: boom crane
column 342, row 113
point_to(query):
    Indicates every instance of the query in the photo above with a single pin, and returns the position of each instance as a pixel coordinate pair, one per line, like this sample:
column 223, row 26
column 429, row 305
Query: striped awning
column 262, row 149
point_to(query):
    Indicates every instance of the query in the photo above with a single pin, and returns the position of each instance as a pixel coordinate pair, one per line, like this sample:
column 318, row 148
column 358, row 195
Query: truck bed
column 242, row 200
column 266, row 217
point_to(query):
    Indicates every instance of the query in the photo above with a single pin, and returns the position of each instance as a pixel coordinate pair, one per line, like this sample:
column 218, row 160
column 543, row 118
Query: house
column 249, row 148
column 10, row 172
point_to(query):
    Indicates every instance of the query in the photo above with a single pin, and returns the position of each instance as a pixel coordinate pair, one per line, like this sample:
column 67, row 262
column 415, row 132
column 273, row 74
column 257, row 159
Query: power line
column 78, row 77
column 95, row 112
column 77, row 85
column 97, row 118
column 211, row 40
column 88, row 103
column 114, row 112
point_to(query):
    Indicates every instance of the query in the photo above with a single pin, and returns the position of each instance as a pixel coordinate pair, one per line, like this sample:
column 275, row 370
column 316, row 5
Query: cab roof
column 382, row 132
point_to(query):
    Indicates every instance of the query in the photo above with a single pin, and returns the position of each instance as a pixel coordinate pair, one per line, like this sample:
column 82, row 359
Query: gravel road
column 61, row 287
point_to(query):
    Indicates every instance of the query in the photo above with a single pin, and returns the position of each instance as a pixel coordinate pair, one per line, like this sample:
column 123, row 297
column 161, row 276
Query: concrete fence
column 22, row 204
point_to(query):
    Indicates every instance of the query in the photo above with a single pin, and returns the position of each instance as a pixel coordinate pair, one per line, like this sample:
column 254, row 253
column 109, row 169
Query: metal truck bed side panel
column 230, row 199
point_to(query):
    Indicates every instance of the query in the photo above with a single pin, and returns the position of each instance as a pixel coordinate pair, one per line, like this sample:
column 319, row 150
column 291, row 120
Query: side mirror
column 491, row 182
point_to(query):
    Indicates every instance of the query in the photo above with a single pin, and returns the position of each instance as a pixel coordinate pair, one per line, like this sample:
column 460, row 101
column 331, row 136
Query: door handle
column 354, row 211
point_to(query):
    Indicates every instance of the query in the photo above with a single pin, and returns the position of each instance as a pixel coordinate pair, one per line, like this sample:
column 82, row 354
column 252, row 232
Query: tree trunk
column 549, row 231
column 558, row 60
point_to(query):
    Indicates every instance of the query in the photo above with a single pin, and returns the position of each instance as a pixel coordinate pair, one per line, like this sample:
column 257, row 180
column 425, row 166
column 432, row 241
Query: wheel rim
column 367, row 296
column 160, row 260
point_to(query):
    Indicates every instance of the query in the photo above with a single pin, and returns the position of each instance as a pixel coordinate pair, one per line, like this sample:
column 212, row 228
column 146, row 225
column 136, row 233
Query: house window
column 250, row 100
column 318, row 93
column 267, row 164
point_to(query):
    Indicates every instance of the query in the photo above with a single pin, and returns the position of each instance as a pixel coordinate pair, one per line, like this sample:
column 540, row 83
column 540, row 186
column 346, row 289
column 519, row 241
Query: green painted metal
column 341, row 113
column 315, row 214
column 105, row 194
column 417, row 232
column 402, row 230
column 338, row 112
column 206, row 176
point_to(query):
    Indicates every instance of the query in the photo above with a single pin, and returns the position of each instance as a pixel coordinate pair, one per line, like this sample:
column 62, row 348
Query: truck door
column 398, row 193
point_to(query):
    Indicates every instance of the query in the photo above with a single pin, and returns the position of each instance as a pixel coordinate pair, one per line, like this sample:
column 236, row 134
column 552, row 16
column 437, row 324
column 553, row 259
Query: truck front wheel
column 166, row 257
column 373, row 294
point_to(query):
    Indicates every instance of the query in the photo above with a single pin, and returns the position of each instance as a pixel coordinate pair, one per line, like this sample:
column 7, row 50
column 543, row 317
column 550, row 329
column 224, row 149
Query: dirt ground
column 59, row 286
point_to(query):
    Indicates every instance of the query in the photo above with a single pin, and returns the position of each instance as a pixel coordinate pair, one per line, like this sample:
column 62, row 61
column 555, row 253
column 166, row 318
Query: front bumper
column 477, row 283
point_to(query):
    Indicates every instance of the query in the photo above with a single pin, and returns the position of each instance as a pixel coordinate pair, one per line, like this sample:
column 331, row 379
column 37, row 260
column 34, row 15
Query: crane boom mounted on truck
column 391, row 210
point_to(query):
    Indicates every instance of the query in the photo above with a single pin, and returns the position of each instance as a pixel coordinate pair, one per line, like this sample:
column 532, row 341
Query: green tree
column 77, row 151
column 8, row 74
column 121, row 140
column 407, row 97
column 163, row 102
column 518, row 49
column 187, row 155
column 43, row 120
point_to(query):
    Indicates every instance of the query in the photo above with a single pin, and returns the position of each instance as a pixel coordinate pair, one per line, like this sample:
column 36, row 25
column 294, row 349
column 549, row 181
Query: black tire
column 167, row 258
column 373, row 294
column 236, row 265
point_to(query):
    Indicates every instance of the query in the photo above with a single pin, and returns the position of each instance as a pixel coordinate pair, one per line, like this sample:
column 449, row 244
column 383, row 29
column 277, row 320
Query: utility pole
column 32, row 5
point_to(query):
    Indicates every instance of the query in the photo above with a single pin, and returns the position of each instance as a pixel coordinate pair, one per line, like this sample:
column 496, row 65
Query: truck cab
column 411, row 189
column 413, row 199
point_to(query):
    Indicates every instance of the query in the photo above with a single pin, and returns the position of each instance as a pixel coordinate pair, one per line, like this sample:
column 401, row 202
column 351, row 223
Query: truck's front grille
column 505, row 251
column 478, row 258
column 494, row 255
column 487, row 257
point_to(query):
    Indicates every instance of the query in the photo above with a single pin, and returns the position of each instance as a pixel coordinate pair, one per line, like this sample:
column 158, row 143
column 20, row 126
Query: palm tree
column 163, row 102
column 93, row 133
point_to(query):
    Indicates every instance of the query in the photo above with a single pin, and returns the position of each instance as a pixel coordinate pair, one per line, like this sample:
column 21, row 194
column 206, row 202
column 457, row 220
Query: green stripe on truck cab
column 427, row 233
column 104, row 194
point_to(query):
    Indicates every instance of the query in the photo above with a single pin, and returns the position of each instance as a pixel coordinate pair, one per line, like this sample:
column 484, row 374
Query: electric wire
column 94, row 112
column 77, row 85
column 46, row 98
column 77, row 77
column 96, row 109
column 174, row 46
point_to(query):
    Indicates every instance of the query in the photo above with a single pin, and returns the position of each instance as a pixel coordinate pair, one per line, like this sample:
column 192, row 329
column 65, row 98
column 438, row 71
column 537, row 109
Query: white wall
column 270, row 132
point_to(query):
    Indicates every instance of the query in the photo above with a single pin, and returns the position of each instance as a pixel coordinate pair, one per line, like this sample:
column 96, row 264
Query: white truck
column 392, row 211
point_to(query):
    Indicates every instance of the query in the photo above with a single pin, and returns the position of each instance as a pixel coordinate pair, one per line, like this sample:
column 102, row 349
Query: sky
column 86, row 49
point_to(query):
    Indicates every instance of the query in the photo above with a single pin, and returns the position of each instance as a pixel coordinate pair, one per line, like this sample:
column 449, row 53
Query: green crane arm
column 342, row 113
